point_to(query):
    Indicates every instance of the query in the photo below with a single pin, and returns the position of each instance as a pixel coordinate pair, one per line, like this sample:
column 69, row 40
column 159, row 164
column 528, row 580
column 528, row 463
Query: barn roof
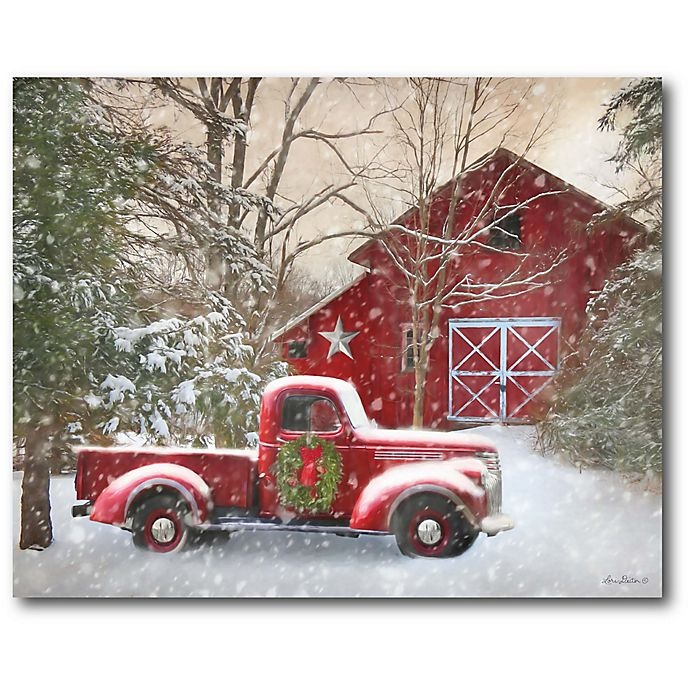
column 295, row 321
column 500, row 152
column 497, row 153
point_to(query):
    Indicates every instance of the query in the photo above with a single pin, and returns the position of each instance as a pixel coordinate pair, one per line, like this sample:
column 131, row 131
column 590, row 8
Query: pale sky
column 573, row 149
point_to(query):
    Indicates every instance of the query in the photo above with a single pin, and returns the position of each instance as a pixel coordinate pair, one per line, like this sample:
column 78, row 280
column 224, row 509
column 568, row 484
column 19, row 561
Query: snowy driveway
column 577, row 535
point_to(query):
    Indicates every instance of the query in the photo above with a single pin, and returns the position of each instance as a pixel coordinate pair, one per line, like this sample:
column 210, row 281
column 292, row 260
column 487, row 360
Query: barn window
column 408, row 350
column 505, row 233
column 297, row 349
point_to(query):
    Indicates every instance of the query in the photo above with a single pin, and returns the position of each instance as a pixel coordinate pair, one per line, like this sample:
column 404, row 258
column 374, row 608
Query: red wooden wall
column 376, row 305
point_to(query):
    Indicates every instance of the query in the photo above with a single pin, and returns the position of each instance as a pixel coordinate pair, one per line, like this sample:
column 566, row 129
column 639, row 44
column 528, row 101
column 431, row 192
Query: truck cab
column 324, row 407
column 435, row 491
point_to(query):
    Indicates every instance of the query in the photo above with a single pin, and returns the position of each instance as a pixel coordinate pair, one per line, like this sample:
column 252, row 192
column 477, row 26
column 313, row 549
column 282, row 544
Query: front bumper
column 82, row 509
column 493, row 524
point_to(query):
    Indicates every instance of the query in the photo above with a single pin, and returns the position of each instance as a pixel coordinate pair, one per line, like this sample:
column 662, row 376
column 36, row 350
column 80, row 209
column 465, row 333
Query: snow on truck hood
column 424, row 439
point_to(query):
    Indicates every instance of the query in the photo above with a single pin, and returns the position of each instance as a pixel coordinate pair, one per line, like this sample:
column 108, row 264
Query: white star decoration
column 339, row 340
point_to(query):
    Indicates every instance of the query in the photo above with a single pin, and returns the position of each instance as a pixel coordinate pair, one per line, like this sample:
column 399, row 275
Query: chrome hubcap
column 429, row 532
column 163, row 530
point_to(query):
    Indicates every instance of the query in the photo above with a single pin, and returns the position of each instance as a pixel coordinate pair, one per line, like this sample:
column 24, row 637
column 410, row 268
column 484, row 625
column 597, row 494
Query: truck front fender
column 113, row 504
column 384, row 493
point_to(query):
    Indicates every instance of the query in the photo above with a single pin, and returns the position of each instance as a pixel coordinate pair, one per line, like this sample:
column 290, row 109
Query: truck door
column 302, row 413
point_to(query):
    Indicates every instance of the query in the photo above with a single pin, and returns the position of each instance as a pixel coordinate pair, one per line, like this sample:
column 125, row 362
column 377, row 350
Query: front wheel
column 160, row 524
column 428, row 524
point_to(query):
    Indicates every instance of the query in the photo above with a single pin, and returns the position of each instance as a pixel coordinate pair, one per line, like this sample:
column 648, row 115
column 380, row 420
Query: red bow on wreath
column 310, row 458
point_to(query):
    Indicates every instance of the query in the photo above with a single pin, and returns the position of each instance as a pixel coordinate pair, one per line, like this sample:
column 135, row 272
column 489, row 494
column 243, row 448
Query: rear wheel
column 160, row 524
column 428, row 524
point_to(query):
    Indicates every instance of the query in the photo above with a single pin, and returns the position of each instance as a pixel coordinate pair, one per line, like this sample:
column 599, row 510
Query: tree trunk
column 419, row 381
column 36, row 526
column 418, row 409
column 420, row 348
column 215, row 266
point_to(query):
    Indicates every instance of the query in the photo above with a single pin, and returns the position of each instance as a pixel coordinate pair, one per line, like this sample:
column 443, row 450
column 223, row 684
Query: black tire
column 161, row 524
column 448, row 533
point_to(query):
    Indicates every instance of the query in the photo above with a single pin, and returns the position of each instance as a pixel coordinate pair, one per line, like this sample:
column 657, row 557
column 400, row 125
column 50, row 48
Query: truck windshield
column 353, row 407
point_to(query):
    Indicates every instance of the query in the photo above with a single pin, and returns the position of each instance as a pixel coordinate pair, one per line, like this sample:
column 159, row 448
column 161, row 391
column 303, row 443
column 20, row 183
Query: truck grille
column 403, row 454
column 491, row 460
column 492, row 485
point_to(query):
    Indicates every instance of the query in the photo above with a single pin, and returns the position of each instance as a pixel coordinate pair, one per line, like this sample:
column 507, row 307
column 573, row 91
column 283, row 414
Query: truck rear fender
column 114, row 503
column 386, row 492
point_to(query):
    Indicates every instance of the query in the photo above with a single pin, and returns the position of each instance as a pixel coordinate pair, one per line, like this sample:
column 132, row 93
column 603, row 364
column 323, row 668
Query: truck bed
column 231, row 474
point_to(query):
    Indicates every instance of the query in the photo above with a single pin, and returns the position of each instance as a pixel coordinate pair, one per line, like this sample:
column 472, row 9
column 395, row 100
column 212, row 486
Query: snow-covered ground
column 577, row 535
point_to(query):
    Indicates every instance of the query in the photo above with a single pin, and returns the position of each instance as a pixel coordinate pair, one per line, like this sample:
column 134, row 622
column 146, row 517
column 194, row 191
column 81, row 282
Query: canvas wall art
column 337, row 337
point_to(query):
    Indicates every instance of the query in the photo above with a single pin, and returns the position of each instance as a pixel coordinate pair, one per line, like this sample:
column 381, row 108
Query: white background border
column 307, row 644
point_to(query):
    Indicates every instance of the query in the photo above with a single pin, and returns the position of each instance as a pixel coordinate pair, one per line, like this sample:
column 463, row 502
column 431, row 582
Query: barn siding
column 372, row 307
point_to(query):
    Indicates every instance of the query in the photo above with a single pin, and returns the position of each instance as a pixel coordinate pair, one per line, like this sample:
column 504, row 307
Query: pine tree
column 186, row 372
column 184, row 381
column 609, row 407
column 94, row 355
column 71, row 177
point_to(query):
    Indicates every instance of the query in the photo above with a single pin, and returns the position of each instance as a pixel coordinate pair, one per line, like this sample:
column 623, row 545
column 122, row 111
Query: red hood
column 411, row 438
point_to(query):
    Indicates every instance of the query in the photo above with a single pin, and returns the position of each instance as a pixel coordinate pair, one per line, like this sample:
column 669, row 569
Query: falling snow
column 577, row 535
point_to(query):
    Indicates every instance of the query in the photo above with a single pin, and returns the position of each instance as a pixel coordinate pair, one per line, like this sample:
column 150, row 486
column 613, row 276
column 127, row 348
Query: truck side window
column 324, row 416
column 309, row 413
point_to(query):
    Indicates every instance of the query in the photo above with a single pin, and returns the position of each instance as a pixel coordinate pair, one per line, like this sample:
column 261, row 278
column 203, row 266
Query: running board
column 235, row 525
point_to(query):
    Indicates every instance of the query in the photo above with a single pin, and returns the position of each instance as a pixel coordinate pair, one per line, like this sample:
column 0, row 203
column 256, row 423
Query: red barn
column 495, row 353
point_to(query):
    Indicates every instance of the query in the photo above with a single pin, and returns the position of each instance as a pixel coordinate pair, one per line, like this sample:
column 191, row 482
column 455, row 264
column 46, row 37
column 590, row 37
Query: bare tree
column 249, row 198
column 437, row 127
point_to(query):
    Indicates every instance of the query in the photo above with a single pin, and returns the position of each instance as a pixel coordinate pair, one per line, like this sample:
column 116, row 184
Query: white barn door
column 498, row 366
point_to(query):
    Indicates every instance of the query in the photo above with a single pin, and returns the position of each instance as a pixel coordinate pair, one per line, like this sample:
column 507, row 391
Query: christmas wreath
column 308, row 471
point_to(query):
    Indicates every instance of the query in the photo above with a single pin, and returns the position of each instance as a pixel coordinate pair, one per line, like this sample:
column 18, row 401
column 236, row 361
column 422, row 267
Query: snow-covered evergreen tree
column 103, row 342
column 609, row 405
column 187, row 373
column 184, row 381
column 70, row 180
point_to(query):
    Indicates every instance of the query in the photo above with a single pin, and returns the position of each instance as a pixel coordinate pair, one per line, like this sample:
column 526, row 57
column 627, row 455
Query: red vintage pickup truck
column 321, row 466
